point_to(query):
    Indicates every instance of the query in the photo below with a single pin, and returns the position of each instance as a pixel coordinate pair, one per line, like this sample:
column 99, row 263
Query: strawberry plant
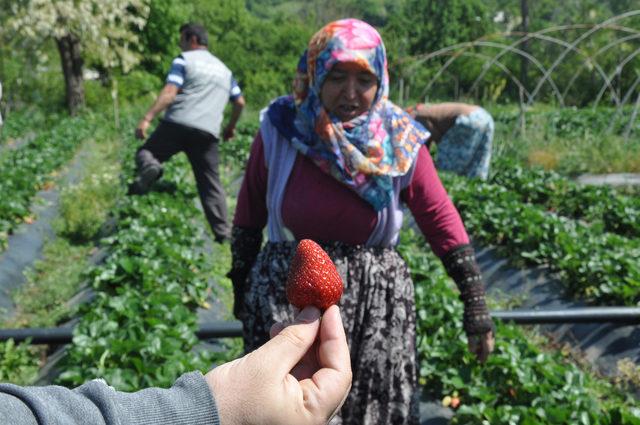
column 140, row 329
column 602, row 267
column 26, row 170
column 18, row 362
column 600, row 205
column 519, row 384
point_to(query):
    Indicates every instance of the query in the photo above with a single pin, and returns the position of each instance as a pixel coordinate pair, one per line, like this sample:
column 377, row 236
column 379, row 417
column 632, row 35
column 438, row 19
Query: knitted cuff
column 462, row 267
column 245, row 246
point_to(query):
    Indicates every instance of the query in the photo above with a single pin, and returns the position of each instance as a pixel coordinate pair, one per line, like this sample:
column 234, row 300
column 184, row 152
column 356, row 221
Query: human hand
column 481, row 345
column 301, row 376
column 141, row 130
column 228, row 133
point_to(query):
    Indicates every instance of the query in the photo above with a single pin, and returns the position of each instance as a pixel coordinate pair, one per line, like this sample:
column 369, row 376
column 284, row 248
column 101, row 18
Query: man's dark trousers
column 202, row 150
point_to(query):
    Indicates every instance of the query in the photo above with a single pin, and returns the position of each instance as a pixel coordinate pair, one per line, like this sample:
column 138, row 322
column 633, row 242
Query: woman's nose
column 351, row 88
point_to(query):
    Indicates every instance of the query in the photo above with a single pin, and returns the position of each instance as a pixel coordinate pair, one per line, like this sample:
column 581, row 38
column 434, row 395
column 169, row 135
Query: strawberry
column 313, row 278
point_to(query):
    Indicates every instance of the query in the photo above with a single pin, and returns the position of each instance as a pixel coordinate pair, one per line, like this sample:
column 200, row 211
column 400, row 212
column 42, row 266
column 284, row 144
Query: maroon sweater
column 317, row 206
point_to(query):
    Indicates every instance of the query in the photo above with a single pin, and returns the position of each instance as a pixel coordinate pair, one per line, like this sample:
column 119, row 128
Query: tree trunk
column 69, row 48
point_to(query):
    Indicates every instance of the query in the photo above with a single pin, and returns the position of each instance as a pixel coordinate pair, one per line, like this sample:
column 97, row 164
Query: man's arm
column 438, row 118
column 165, row 98
column 188, row 401
column 238, row 105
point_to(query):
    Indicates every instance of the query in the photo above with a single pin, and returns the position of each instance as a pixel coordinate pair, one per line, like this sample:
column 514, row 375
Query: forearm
column 462, row 267
column 236, row 111
column 245, row 246
column 188, row 401
column 162, row 102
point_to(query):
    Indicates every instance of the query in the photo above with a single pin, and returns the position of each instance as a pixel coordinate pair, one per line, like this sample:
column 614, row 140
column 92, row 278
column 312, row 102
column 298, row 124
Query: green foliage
column 418, row 26
column 136, row 86
column 520, row 383
column 104, row 29
column 319, row 12
column 51, row 282
column 417, row 29
column 569, row 140
column 140, row 329
column 18, row 364
column 18, row 125
column 160, row 37
column 601, row 267
column 31, row 79
column 274, row 54
column 26, row 170
column 234, row 154
column 599, row 205
column 84, row 206
column 131, row 89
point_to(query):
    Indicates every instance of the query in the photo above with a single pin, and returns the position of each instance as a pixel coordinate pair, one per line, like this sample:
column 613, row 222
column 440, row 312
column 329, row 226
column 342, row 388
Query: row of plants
column 571, row 141
column 82, row 214
column 30, row 168
column 18, row 124
column 521, row 383
column 601, row 267
column 42, row 301
column 139, row 330
column 602, row 206
column 569, row 121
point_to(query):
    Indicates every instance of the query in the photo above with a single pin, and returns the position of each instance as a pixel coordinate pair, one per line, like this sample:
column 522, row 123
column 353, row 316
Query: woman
column 463, row 133
column 332, row 163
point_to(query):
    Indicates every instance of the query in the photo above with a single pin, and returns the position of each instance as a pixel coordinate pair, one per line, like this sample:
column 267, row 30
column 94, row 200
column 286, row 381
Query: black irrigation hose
column 54, row 336
column 226, row 329
column 630, row 315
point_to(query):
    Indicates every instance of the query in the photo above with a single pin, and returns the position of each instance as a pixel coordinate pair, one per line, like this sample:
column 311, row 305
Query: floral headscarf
column 367, row 151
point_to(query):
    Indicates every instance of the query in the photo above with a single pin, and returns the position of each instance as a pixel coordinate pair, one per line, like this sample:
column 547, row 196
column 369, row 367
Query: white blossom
column 103, row 27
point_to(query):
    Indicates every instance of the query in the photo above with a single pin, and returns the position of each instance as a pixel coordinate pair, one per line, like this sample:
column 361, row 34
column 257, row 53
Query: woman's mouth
column 347, row 110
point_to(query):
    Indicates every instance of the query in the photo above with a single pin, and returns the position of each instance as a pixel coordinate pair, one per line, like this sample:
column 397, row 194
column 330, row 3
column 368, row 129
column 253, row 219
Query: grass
column 569, row 141
column 84, row 206
column 51, row 282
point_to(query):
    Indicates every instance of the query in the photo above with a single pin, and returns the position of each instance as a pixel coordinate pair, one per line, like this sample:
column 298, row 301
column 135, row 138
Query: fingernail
column 308, row 315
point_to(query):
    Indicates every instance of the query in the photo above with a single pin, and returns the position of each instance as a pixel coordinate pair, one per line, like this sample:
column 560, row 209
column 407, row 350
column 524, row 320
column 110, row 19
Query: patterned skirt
column 378, row 312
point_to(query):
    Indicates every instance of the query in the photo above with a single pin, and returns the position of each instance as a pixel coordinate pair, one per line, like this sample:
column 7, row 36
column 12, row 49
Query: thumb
column 286, row 349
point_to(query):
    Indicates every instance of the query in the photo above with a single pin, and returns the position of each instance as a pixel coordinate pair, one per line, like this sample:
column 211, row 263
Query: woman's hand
column 481, row 345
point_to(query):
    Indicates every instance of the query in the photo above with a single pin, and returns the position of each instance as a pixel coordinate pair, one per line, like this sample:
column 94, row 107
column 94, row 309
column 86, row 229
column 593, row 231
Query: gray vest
column 204, row 93
column 280, row 157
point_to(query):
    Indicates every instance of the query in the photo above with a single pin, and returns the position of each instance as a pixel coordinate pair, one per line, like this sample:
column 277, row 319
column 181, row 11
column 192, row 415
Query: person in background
column 463, row 134
column 333, row 162
column 196, row 92
column 301, row 376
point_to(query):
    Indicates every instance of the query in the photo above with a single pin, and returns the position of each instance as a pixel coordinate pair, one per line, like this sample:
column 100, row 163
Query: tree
column 102, row 30
column 421, row 27
column 160, row 37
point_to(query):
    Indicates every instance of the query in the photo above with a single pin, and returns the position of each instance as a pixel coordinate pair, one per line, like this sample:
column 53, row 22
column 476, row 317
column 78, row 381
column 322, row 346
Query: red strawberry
column 313, row 278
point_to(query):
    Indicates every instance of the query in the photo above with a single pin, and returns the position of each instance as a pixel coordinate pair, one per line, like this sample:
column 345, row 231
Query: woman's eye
column 367, row 80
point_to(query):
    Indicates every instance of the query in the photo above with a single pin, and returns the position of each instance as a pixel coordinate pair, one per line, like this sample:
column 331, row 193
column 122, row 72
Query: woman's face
column 348, row 91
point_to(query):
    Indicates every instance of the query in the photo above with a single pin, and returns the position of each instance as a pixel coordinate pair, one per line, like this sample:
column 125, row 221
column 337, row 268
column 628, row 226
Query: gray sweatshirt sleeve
column 188, row 401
